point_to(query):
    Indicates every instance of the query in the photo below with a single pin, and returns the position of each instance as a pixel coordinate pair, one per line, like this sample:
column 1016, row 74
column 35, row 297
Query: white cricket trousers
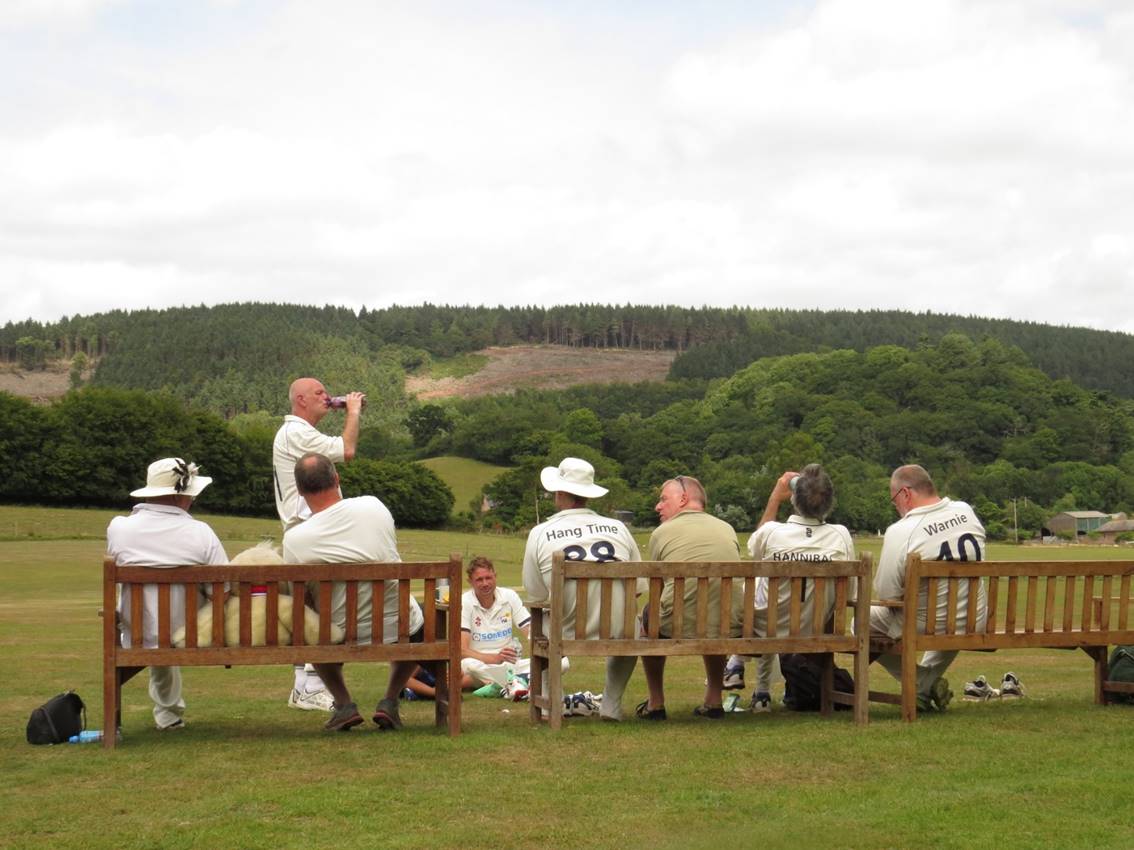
column 165, row 691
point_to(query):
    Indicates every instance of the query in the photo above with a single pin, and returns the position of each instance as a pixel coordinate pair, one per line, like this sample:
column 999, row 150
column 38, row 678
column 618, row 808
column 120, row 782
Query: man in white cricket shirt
column 297, row 436
column 160, row 533
column 489, row 617
column 343, row 531
column 582, row 535
column 939, row 529
column 805, row 536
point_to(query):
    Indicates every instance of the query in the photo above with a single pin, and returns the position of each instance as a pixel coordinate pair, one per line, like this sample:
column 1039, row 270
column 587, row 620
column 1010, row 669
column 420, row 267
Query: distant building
column 1077, row 523
column 1109, row 531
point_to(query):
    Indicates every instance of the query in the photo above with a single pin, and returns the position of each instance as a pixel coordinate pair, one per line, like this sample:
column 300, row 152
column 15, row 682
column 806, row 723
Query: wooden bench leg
column 554, row 675
column 1099, row 656
column 909, row 683
column 826, row 683
column 535, row 683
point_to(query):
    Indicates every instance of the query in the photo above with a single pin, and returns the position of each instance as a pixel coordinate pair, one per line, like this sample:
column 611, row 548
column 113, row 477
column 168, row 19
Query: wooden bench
column 842, row 633
column 1031, row 605
column 441, row 645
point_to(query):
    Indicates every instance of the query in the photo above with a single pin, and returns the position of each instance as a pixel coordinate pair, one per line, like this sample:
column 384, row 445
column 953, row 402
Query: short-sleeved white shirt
column 490, row 629
column 798, row 539
column 358, row 530
column 159, row 536
column 296, row 438
column 947, row 530
column 582, row 535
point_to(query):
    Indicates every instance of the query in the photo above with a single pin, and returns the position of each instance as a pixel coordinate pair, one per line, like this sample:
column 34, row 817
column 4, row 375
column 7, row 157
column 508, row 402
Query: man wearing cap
column 298, row 435
column 160, row 533
column 582, row 535
column 688, row 533
column 344, row 531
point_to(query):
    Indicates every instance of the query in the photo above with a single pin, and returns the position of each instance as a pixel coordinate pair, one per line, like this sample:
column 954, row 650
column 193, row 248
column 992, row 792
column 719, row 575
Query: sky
column 957, row 157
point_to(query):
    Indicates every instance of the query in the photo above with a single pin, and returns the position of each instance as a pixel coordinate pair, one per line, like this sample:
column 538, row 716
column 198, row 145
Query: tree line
column 92, row 447
column 990, row 427
column 229, row 358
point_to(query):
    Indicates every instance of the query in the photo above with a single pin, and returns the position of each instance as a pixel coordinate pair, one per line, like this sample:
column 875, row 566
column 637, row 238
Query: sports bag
column 1121, row 669
column 801, row 681
column 57, row 719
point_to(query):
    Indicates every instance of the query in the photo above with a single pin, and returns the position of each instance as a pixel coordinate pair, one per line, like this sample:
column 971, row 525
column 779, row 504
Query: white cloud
column 972, row 157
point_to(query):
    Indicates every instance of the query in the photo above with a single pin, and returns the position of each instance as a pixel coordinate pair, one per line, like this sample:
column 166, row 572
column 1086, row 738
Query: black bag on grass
column 57, row 719
column 1121, row 669
column 801, row 682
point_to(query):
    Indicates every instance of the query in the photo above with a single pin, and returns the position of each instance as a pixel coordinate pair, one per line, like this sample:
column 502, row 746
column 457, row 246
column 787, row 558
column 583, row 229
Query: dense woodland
column 1017, row 440
column 232, row 358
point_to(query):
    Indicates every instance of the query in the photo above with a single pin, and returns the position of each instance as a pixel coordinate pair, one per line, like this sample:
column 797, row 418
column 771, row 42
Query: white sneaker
column 581, row 704
column 311, row 700
column 1011, row 686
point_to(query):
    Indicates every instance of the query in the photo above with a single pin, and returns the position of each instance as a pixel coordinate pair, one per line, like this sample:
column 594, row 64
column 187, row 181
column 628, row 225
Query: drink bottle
column 87, row 736
column 338, row 402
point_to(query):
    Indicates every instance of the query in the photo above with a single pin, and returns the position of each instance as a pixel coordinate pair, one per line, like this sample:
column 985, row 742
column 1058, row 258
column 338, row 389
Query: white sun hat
column 171, row 476
column 573, row 475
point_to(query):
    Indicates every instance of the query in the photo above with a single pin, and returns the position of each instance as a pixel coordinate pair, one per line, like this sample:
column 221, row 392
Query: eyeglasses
column 894, row 495
column 680, row 479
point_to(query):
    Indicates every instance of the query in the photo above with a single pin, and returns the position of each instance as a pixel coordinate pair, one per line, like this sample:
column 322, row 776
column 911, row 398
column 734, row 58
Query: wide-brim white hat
column 171, row 476
column 573, row 475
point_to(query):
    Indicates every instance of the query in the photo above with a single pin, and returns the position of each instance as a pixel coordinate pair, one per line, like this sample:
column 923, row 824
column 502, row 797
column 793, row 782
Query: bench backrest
column 319, row 579
column 616, row 582
column 1070, row 603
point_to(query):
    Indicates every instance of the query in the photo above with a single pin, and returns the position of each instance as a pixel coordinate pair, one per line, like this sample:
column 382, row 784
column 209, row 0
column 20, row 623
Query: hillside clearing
column 546, row 367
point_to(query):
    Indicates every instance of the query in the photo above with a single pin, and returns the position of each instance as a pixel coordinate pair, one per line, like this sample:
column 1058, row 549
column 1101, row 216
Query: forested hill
column 1093, row 359
column 234, row 357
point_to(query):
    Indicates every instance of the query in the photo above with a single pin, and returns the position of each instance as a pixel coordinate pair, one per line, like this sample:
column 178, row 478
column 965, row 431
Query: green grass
column 465, row 477
column 460, row 366
column 1048, row 771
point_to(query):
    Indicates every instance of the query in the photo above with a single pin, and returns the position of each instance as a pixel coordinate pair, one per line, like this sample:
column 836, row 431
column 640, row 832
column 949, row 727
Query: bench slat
column 582, row 597
column 749, row 608
column 1013, row 601
column 1088, row 597
column 677, row 618
column 702, row 607
column 272, row 615
column 795, row 607
column 163, row 615
column 1069, row 584
column 1030, row 603
column 931, row 592
column 1123, row 601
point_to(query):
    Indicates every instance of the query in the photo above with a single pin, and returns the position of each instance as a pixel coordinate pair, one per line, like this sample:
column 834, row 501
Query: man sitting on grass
column 488, row 616
column 160, row 533
column 357, row 530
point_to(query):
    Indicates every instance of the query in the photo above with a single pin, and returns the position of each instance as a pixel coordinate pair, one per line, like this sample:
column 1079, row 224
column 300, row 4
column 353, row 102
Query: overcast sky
column 973, row 158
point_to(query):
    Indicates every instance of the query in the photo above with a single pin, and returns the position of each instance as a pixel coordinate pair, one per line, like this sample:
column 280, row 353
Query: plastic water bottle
column 87, row 736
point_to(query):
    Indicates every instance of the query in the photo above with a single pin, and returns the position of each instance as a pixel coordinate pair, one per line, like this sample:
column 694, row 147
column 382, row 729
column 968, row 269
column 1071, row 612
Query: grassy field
column 1049, row 771
column 465, row 477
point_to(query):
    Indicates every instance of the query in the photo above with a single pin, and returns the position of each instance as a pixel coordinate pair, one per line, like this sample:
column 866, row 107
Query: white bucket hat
column 573, row 475
column 171, row 476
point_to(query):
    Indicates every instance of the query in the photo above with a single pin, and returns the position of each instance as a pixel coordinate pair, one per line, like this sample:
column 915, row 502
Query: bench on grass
column 841, row 633
column 1031, row 605
column 440, row 647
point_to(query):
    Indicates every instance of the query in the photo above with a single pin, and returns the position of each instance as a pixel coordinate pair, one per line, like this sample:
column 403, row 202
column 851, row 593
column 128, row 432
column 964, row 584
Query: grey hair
column 814, row 495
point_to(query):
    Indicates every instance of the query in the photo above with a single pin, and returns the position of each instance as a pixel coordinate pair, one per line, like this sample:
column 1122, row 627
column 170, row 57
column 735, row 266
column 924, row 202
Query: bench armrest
column 888, row 603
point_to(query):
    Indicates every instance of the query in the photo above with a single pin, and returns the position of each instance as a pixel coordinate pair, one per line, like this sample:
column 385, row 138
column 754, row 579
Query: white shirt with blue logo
column 490, row 629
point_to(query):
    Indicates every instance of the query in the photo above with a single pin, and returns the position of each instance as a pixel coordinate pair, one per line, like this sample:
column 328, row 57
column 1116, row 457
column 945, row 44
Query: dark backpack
column 57, row 719
column 1121, row 669
column 801, row 681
